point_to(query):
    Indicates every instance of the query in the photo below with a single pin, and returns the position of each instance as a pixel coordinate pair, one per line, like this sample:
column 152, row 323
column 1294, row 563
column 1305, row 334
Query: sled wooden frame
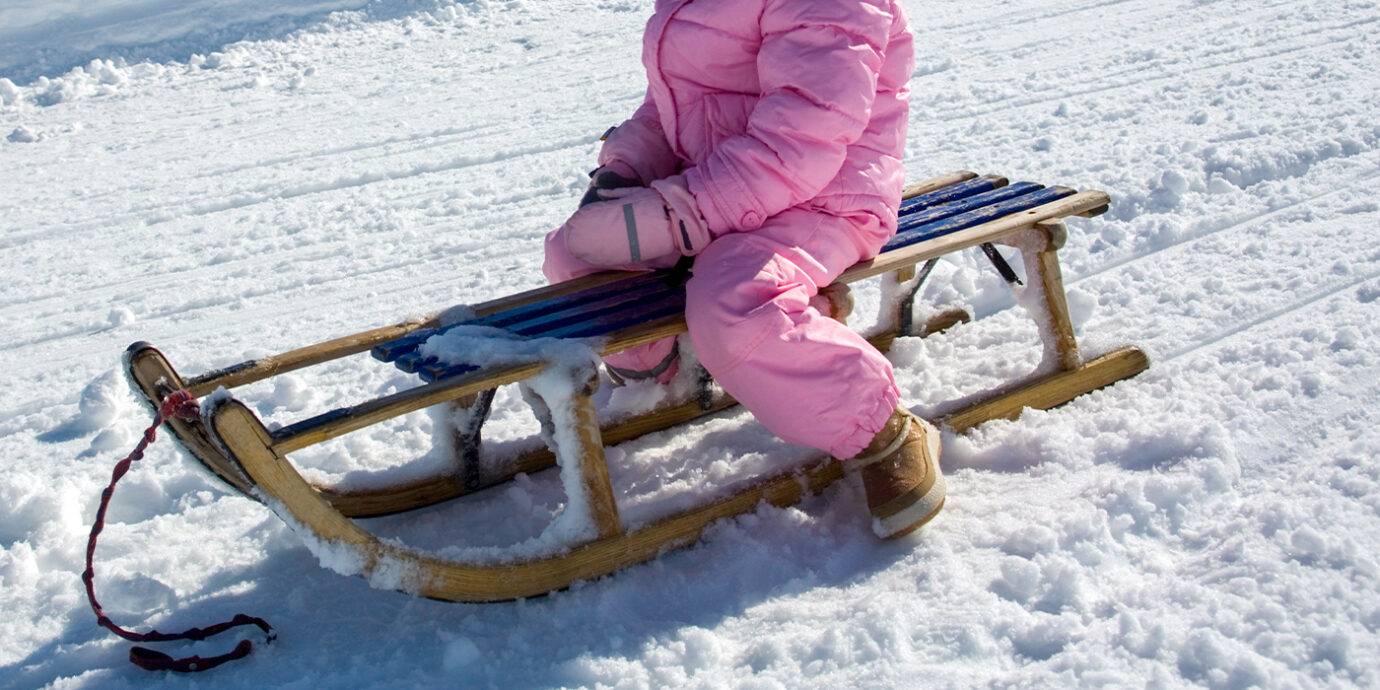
column 234, row 444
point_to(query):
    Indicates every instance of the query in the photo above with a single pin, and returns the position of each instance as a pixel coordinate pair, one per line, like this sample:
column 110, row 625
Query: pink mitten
column 637, row 224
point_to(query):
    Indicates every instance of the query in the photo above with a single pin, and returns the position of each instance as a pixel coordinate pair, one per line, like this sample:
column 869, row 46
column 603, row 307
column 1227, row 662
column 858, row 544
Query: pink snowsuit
column 785, row 120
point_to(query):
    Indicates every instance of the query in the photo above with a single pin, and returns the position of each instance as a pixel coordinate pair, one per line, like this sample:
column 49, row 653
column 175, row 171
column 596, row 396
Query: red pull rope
column 180, row 405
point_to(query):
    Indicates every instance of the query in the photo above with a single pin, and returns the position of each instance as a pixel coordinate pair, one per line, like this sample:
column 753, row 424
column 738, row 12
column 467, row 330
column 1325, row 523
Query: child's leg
column 808, row 378
column 560, row 266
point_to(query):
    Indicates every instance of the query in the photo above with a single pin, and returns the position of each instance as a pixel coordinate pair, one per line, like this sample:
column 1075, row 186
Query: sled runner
column 600, row 315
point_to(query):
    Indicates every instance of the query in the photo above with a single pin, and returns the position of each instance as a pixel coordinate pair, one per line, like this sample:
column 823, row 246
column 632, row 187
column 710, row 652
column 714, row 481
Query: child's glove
column 633, row 225
column 615, row 175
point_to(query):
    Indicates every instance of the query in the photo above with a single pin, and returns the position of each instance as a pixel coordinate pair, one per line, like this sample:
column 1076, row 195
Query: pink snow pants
column 755, row 320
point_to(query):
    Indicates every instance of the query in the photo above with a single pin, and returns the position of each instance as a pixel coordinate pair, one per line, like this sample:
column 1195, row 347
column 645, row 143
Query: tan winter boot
column 900, row 474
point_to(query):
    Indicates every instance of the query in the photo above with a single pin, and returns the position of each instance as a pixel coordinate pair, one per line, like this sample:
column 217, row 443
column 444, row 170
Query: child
column 769, row 148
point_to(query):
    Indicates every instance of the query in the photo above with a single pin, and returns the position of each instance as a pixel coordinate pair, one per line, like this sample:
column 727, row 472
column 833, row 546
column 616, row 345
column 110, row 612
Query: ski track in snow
column 1212, row 522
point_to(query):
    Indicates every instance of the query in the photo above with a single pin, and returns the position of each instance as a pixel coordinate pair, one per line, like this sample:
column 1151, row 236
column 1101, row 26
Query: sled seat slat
column 610, row 321
column 910, row 218
column 603, row 309
column 951, row 193
column 580, row 320
column 999, row 203
column 628, row 288
column 585, row 317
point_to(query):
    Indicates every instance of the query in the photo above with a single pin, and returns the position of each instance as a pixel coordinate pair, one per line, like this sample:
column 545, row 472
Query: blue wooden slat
column 643, row 281
column 438, row 371
column 412, row 362
column 978, row 216
column 540, row 327
column 391, row 350
column 954, row 208
column 672, row 304
column 946, row 195
column 306, row 425
column 604, row 328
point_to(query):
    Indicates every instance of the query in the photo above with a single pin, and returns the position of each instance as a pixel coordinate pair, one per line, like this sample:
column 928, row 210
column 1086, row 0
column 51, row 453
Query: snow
column 231, row 180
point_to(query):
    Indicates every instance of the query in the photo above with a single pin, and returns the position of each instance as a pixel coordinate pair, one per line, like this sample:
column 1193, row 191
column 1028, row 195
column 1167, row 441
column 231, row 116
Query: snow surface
column 230, row 180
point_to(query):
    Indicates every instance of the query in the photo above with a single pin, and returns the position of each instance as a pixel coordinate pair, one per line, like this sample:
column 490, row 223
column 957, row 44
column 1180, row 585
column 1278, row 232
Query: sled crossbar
column 615, row 311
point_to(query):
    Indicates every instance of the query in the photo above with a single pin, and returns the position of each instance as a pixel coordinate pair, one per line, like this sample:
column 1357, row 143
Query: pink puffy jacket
column 765, row 105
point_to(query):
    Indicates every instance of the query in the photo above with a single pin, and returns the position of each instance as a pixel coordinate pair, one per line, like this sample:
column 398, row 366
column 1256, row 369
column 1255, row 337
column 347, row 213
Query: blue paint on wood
column 592, row 326
column 615, row 304
column 640, row 282
column 608, row 323
column 930, row 215
column 391, row 350
column 974, row 217
column 412, row 361
column 306, row 425
column 945, row 195
column 436, row 372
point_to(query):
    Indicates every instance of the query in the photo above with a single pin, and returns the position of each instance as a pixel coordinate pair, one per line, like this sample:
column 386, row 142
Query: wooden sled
column 607, row 313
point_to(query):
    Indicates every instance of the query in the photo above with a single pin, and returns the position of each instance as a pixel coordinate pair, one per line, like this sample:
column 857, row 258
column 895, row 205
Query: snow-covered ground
column 1212, row 522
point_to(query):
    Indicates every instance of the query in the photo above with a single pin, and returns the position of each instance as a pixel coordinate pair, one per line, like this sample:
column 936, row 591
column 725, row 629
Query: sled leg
column 572, row 433
column 594, row 470
column 1048, row 305
column 462, row 421
column 899, row 289
column 1063, row 374
column 1043, row 265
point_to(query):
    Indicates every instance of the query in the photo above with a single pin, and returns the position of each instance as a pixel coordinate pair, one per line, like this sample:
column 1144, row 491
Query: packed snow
column 232, row 180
